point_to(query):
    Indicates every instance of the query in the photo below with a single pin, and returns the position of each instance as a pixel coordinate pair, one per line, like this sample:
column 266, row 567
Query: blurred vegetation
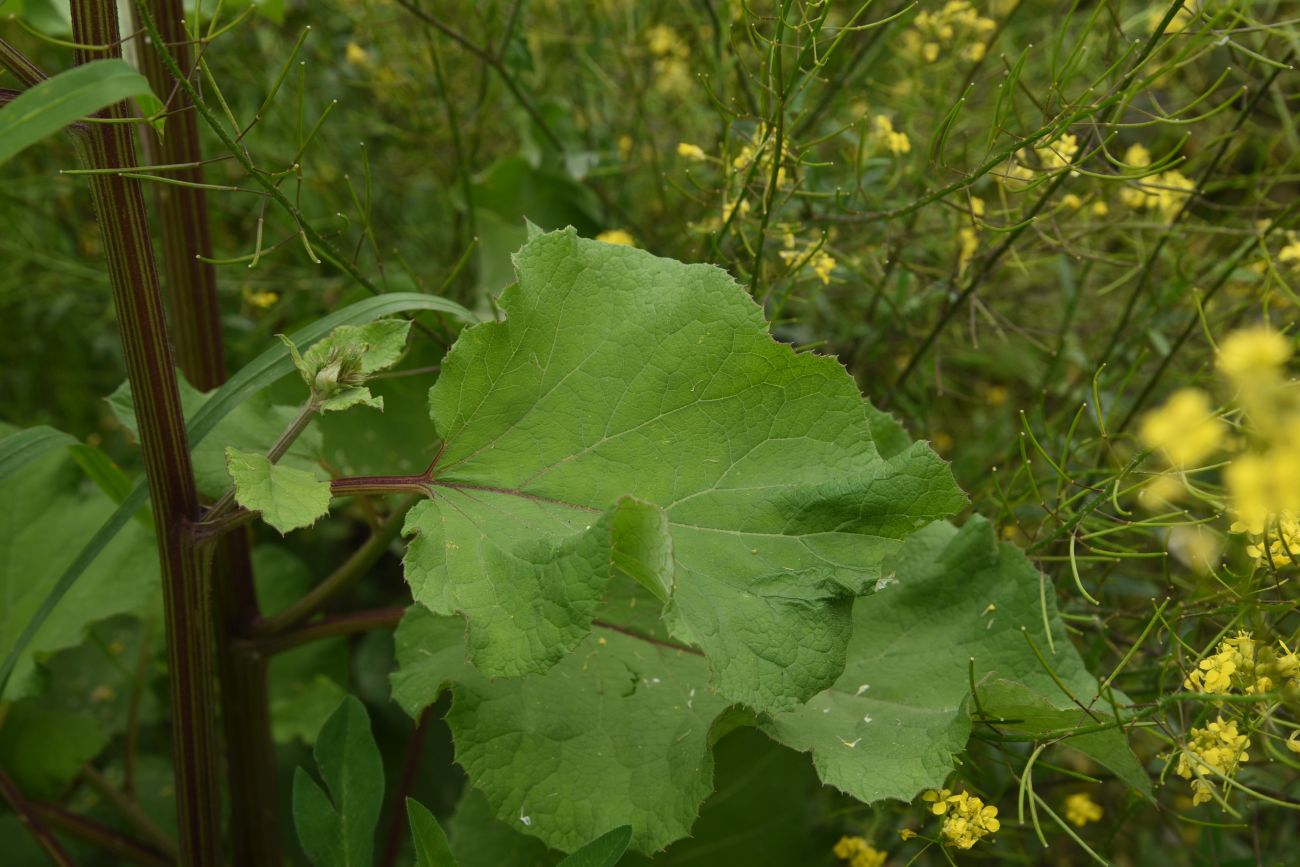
column 1021, row 226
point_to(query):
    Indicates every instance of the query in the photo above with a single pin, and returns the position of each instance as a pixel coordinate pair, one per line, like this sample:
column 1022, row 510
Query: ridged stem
column 187, row 595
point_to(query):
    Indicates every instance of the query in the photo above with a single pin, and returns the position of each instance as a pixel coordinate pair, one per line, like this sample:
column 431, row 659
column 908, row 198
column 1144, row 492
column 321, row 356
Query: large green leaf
column 51, row 510
column 268, row 367
column 46, row 108
column 338, row 829
column 619, row 731
column 616, row 734
column 893, row 722
column 633, row 417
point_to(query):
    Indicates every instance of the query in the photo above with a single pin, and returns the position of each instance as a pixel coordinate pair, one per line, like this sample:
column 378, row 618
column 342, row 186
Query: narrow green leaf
column 604, row 851
column 431, row 848
column 48, row 107
column 25, row 446
column 253, row 377
column 287, row 498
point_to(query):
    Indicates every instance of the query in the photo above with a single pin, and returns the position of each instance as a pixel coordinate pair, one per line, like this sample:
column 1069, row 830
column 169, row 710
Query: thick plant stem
column 190, row 283
column 187, row 596
column 196, row 325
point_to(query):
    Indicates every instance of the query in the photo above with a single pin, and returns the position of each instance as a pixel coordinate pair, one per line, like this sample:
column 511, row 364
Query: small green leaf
column 48, row 107
column 338, row 829
column 431, row 848
column 604, row 851
column 336, row 368
column 287, row 498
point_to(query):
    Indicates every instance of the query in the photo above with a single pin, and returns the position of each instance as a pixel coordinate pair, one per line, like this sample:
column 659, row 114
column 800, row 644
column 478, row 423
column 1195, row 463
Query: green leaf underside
column 633, row 416
column 619, row 731
column 263, row 370
column 52, row 510
column 337, row 829
column 66, row 98
column 287, row 498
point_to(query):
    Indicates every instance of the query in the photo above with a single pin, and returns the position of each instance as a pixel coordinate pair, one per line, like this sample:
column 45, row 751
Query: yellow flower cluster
column 671, row 55
column 1185, row 430
column 1080, row 809
column 622, row 237
column 1241, row 664
column 1163, row 193
column 858, row 852
column 821, row 262
column 897, row 143
column 1218, row 748
column 1024, row 166
column 956, row 23
column 966, row 819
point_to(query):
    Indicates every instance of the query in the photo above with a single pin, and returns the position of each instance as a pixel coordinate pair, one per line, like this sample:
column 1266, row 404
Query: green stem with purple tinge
column 187, row 595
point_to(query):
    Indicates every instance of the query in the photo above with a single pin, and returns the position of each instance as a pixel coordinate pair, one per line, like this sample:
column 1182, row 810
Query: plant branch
column 130, row 811
column 32, row 822
column 321, row 247
column 102, row 837
column 329, row 627
column 343, row 577
column 493, row 61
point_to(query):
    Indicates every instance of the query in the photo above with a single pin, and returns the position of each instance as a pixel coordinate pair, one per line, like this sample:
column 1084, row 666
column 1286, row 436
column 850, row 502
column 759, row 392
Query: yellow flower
column 1174, row 189
column 663, row 40
column 1290, row 254
column 1217, row 748
column 625, row 146
column 1137, row 156
column 977, row 206
column 858, row 852
column 966, row 818
column 930, row 51
column 969, row 245
column 1185, row 428
column 1100, row 209
column 907, row 833
column 822, row 265
column 1071, row 201
column 691, row 152
column 1253, row 352
column 261, row 299
column 356, row 55
column 617, row 236
column 1080, row 809
column 1293, row 741
column 1059, row 153
column 897, row 143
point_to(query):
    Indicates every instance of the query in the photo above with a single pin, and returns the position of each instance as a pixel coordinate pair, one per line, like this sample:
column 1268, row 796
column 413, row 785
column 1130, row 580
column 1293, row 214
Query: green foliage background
column 1018, row 315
